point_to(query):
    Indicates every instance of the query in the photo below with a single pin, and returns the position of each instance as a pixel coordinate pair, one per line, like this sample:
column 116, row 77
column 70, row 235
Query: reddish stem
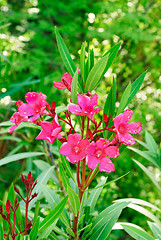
column 67, row 122
column 83, row 172
column 78, row 180
column 26, row 214
column 89, row 176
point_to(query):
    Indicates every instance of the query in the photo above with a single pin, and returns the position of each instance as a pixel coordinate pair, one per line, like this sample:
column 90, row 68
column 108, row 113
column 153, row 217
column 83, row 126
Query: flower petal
column 26, row 110
column 127, row 114
column 75, row 109
column 92, row 161
column 83, row 101
column 127, row 139
column 94, row 100
column 32, row 98
column 73, row 139
column 59, row 85
column 56, row 132
column 102, row 143
column 134, row 127
column 46, row 126
column 12, row 128
column 91, row 148
column 106, row 165
column 112, row 151
column 65, row 149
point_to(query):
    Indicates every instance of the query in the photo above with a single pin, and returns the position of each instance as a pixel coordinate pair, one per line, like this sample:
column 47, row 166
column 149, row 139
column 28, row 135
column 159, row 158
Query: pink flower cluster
column 76, row 148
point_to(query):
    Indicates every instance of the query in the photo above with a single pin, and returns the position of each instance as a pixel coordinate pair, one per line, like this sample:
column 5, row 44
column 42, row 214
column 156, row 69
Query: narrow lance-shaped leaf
column 53, row 215
column 112, row 54
column 136, row 233
column 34, row 231
column 151, row 142
column 109, row 107
column 149, row 174
column 91, row 59
column 74, row 88
column 68, row 62
column 65, row 55
column 124, row 99
column 74, row 200
column 136, row 86
column 95, row 74
column 19, row 156
column 63, row 175
column 82, row 62
column 155, row 229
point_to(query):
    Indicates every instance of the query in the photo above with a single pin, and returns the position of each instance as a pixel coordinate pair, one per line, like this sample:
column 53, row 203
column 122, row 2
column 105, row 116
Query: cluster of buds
column 29, row 184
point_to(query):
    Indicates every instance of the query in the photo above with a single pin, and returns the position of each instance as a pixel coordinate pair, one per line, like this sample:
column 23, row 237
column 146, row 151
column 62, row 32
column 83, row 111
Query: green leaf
column 19, row 156
column 144, row 155
column 136, row 232
column 151, row 142
column 92, row 199
column 34, row 231
column 48, row 231
column 1, row 232
column 149, row 174
column 63, row 175
column 139, row 202
column 91, row 59
column 145, row 212
column 136, row 86
column 11, row 138
column 53, row 198
column 82, row 62
column 112, row 54
column 95, row 74
column 36, row 214
column 124, row 99
column 155, row 229
column 74, row 88
column 65, row 55
column 42, row 178
column 70, row 232
column 42, row 165
column 53, row 215
column 109, row 107
column 103, row 223
column 66, row 164
column 74, row 200
column 60, row 232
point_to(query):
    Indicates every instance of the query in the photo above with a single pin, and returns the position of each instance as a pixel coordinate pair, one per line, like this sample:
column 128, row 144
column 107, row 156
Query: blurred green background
column 30, row 61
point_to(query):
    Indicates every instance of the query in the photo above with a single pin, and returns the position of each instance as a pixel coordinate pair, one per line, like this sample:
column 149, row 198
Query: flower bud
column 8, row 207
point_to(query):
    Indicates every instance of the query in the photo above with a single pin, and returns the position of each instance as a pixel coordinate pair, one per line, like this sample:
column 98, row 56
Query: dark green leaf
column 19, row 156
column 82, row 62
column 53, row 215
column 124, row 99
column 136, row 86
column 74, row 88
column 74, row 200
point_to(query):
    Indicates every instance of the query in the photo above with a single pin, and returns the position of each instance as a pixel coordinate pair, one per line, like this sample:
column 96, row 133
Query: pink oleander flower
column 85, row 106
column 66, row 82
column 17, row 119
column 97, row 152
column 50, row 131
column 36, row 105
column 75, row 148
column 123, row 128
